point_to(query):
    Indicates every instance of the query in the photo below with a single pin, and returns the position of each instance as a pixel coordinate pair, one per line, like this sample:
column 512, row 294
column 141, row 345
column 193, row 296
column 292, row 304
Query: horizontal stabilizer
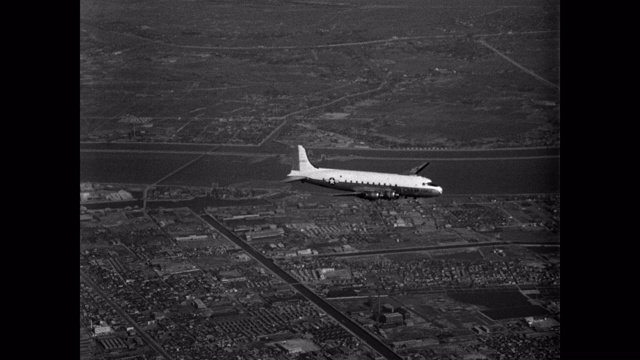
column 417, row 169
column 294, row 178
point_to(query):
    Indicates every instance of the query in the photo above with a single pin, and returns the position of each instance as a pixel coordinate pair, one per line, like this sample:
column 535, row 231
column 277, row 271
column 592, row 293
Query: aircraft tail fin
column 301, row 161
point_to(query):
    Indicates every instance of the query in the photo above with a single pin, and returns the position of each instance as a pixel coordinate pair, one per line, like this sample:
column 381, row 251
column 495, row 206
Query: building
column 111, row 343
column 84, row 196
column 125, row 195
column 387, row 308
column 243, row 257
column 481, row 329
column 406, row 314
column 392, row 318
column 252, row 235
column 102, row 329
column 191, row 237
column 199, row 304
column 296, row 346
column 542, row 324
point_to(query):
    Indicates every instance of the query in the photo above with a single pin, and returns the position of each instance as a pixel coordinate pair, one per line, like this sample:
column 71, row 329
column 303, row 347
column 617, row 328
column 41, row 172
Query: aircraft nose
column 439, row 190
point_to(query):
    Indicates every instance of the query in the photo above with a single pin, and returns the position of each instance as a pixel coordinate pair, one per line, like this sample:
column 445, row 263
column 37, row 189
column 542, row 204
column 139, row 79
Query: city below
column 280, row 273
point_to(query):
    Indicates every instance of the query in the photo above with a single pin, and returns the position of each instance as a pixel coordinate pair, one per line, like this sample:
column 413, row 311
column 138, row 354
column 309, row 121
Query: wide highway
column 343, row 320
column 436, row 247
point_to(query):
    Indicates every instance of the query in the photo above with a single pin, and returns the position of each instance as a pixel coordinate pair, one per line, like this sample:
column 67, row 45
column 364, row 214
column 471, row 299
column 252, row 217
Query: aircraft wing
column 355, row 193
column 364, row 192
column 417, row 169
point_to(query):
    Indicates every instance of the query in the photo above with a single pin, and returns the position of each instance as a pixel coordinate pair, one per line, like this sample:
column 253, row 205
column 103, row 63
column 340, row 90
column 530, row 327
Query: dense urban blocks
column 184, row 285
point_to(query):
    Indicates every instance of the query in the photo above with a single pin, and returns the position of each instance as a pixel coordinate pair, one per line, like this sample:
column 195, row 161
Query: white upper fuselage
column 367, row 184
column 407, row 185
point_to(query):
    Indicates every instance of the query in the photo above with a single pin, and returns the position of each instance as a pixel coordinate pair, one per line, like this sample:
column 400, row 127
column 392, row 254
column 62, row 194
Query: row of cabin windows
column 368, row 183
column 385, row 184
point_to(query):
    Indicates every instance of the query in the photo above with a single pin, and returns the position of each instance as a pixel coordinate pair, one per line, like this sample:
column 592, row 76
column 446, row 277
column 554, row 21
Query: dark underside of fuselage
column 375, row 191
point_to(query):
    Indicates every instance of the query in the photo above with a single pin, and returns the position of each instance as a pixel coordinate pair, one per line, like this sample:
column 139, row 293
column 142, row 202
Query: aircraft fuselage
column 366, row 184
column 365, row 181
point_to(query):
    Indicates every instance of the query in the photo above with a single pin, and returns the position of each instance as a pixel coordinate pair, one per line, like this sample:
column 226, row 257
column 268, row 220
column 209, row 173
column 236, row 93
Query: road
column 353, row 153
column 481, row 41
column 91, row 28
column 385, row 158
column 437, row 247
column 279, row 148
column 343, row 320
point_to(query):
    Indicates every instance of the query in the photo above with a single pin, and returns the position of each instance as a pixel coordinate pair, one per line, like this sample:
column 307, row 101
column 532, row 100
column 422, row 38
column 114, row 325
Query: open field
column 501, row 304
column 406, row 73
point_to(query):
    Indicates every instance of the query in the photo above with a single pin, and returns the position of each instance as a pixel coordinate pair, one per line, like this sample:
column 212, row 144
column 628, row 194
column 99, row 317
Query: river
column 458, row 173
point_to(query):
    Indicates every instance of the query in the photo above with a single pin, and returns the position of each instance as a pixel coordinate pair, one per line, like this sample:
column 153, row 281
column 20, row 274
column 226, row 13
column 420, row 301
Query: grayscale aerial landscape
column 332, row 179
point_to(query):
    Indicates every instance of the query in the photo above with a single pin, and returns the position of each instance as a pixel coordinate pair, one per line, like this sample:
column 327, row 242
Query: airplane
column 364, row 184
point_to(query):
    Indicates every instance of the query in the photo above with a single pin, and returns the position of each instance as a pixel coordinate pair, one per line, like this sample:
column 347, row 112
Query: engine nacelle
column 390, row 195
column 372, row 195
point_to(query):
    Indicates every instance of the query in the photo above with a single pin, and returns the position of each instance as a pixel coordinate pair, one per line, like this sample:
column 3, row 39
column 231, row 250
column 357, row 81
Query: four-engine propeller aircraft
column 364, row 184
